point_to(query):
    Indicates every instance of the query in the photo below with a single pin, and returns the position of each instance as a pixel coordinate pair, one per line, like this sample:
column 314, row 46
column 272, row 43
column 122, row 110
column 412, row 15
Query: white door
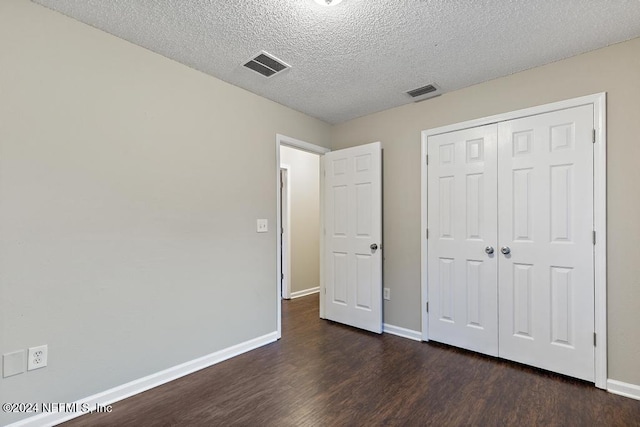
column 545, row 193
column 353, row 236
column 462, row 221
column 285, row 233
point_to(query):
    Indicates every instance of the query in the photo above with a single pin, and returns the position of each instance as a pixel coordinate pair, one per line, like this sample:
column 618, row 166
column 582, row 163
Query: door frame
column 320, row 151
column 598, row 101
column 285, row 228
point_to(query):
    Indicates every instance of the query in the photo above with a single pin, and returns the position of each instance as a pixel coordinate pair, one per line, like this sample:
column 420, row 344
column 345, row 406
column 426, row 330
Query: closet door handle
column 489, row 250
column 506, row 250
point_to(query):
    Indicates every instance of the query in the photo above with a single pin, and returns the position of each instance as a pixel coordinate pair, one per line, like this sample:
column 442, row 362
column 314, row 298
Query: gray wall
column 615, row 70
column 130, row 186
column 304, row 182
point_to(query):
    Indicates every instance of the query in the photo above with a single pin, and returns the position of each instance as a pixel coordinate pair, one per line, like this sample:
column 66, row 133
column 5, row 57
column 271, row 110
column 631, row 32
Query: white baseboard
column 304, row 293
column 402, row 332
column 143, row 384
column 623, row 389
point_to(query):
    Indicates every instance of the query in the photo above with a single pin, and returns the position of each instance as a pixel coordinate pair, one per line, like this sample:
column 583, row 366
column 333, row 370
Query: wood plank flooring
column 325, row 374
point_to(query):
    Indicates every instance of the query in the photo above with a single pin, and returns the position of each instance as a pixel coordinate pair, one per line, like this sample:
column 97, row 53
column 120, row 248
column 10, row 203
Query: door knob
column 374, row 246
column 489, row 250
column 505, row 250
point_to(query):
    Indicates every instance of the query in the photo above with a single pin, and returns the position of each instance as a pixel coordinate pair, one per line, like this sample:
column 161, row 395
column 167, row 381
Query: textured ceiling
column 361, row 56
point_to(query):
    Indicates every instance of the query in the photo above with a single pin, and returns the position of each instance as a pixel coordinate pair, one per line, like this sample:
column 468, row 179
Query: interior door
column 462, row 212
column 285, row 235
column 545, row 181
column 353, row 236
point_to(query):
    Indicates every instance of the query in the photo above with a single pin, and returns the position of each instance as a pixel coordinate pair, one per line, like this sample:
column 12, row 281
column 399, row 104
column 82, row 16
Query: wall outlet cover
column 37, row 357
column 262, row 226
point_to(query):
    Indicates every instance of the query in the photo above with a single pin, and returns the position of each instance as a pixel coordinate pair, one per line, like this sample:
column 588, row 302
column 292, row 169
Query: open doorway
column 299, row 215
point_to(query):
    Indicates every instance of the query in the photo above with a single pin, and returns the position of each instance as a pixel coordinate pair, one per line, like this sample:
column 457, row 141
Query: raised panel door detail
column 446, row 206
column 447, row 154
column 561, row 201
column 522, row 310
column 475, row 150
column 474, row 296
column 522, row 143
column 561, row 311
column 447, row 291
column 363, row 163
column 340, row 210
column 339, row 167
column 561, row 137
column 363, row 209
column 340, row 278
column 522, row 206
column 474, row 205
column 363, row 281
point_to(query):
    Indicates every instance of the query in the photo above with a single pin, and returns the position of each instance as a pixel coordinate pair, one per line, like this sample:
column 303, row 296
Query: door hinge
column 594, row 339
column 281, row 276
column 427, row 306
column 426, row 233
column 594, row 237
column 593, row 139
column 426, row 159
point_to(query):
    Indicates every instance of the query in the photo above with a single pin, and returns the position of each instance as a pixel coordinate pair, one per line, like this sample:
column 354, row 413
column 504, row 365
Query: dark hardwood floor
column 325, row 374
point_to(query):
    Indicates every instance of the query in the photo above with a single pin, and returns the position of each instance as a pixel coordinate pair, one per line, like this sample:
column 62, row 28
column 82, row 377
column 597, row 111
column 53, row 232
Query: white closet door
column 546, row 282
column 462, row 212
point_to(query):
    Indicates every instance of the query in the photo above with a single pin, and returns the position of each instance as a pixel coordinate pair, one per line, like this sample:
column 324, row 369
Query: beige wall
column 615, row 70
column 130, row 186
column 304, row 184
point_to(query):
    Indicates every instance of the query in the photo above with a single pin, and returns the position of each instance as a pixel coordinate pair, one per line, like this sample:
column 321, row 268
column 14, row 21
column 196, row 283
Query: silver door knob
column 505, row 250
column 489, row 250
column 374, row 246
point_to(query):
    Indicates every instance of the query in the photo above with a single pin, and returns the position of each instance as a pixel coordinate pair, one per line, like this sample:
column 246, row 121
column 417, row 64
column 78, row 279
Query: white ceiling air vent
column 266, row 64
column 425, row 92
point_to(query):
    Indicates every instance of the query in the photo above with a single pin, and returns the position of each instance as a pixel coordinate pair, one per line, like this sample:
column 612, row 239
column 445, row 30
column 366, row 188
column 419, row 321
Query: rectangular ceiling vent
column 425, row 92
column 266, row 64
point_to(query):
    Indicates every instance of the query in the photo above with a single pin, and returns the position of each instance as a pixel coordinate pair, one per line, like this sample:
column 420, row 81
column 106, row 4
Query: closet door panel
column 545, row 217
column 462, row 212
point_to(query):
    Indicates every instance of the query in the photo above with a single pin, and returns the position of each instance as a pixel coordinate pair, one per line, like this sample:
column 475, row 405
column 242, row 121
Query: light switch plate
column 262, row 226
column 12, row 363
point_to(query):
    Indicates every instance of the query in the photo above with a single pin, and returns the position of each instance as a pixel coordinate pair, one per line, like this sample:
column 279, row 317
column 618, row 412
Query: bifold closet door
column 546, row 281
column 462, row 221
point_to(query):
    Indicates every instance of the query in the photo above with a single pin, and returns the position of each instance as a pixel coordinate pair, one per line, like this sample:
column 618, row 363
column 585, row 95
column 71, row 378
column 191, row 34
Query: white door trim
column 311, row 148
column 600, row 211
column 285, row 218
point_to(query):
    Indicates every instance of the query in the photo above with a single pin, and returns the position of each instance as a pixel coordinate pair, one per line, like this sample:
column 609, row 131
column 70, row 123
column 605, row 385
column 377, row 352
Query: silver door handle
column 489, row 250
column 374, row 246
column 505, row 250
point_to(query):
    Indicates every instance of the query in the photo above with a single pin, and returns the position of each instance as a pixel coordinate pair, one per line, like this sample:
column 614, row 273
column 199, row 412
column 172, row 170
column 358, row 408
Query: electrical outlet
column 262, row 226
column 386, row 294
column 37, row 357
